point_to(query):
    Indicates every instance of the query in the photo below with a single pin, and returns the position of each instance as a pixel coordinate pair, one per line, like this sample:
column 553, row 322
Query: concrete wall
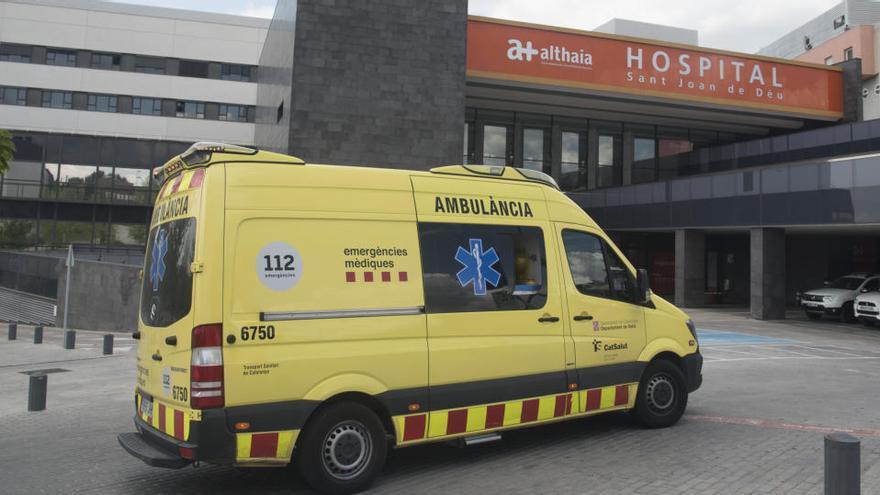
column 859, row 38
column 103, row 296
column 647, row 30
column 274, row 91
column 31, row 273
column 379, row 83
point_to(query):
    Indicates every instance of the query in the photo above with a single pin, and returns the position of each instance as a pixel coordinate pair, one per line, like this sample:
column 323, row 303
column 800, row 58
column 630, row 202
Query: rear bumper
column 209, row 441
column 137, row 445
column 693, row 366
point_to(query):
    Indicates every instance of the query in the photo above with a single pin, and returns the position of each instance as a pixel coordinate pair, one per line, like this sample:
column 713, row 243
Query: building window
column 149, row 65
column 573, row 166
column 234, row 72
column 848, row 54
column 57, row 99
column 535, row 150
column 192, row 68
column 15, row 53
column 233, row 113
column 13, row 96
column 673, row 144
column 190, row 110
column 609, row 167
column 105, row 61
column 61, row 57
column 102, row 103
column 644, row 159
column 469, row 142
column 146, row 106
column 495, row 145
column 482, row 267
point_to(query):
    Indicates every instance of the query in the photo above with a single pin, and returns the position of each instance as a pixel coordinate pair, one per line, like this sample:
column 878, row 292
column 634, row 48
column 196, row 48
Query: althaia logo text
column 550, row 55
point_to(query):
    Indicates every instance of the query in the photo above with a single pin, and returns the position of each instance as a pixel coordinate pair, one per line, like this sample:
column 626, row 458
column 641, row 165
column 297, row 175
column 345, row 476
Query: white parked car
column 837, row 298
column 867, row 307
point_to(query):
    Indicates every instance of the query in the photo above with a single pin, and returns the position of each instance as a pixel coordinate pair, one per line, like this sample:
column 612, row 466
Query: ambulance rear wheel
column 342, row 450
column 662, row 396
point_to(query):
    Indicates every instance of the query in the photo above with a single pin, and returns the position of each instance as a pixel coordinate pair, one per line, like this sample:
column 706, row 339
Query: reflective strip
column 271, row 446
column 341, row 313
column 167, row 419
column 184, row 184
column 521, row 411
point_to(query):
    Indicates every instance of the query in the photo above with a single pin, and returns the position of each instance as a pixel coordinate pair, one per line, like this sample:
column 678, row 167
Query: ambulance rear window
column 166, row 294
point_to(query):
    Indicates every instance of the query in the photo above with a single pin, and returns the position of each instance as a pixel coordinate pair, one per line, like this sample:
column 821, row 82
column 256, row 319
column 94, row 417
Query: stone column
column 690, row 267
column 768, row 274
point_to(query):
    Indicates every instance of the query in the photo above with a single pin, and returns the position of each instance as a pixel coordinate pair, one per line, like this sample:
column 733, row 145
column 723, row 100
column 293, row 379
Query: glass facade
column 233, row 113
column 13, row 96
column 61, row 57
column 102, row 103
column 57, row 99
column 13, row 52
column 190, row 110
column 146, row 106
column 89, row 190
column 106, row 61
column 586, row 154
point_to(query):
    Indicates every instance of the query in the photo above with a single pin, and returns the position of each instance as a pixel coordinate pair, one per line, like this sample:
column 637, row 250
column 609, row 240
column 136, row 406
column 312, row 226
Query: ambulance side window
column 595, row 268
column 482, row 267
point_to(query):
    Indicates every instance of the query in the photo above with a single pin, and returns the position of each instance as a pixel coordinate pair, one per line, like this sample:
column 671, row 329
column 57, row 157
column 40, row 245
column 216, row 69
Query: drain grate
column 43, row 372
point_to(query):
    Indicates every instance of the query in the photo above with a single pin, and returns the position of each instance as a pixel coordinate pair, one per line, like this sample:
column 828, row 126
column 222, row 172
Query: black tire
column 867, row 322
column 342, row 449
column 814, row 316
column 662, row 396
column 847, row 314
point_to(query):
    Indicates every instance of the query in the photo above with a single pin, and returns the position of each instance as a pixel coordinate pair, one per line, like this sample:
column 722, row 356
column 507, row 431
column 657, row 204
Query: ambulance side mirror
column 643, row 286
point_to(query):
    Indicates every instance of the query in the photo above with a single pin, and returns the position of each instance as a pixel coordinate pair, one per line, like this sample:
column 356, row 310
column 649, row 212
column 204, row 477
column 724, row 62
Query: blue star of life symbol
column 157, row 265
column 477, row 266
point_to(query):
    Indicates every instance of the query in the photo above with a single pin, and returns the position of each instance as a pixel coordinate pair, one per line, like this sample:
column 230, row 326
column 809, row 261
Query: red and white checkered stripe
column 370, row 276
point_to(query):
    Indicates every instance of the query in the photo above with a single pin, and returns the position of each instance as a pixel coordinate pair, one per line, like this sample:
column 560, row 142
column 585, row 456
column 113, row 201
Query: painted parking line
column 713, row 338
column 766, row 423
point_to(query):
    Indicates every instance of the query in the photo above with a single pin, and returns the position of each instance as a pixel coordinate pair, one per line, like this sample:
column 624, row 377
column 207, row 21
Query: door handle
column 171, row 340
column 157, row 357
column 548, row 319
column 583, row 317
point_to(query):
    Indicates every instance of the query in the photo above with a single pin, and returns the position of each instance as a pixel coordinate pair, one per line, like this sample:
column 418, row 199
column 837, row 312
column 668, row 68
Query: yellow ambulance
column 322, row 315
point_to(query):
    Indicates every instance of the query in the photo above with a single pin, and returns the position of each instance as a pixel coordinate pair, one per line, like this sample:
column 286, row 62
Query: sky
column 739, row 25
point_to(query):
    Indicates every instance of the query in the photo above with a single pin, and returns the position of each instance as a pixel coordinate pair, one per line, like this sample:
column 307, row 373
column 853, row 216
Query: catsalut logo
column 550, row 54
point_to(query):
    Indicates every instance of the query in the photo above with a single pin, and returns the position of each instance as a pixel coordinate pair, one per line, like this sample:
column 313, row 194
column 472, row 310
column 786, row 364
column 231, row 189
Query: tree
column 7, row 149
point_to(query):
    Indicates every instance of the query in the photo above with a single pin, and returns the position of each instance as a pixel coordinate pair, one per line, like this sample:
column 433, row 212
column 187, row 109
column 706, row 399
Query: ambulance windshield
column 166, row 294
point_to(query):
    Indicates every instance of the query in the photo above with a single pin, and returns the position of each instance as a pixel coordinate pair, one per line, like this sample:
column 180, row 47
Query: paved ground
column 771, row 391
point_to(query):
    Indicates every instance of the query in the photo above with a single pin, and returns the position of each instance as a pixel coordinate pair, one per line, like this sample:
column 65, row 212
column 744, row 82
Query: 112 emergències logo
column 550, row 55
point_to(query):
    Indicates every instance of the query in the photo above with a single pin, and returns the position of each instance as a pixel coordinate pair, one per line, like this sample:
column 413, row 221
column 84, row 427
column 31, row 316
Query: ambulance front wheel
column 662, row 396
column 342, row 450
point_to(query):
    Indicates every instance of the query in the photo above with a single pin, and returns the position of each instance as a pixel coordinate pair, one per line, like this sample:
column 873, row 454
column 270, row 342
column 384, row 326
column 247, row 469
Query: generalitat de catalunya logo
column 550, row 55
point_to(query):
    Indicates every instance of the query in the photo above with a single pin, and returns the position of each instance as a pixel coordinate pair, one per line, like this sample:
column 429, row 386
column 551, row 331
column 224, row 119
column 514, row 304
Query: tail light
column 206, row 367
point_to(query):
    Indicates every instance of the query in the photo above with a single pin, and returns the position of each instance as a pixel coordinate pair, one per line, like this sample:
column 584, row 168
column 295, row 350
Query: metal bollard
column 38, row 335
column 842, row 464
column 13, row 331
column 37, row 392
column 69, row 339
column 108, row 344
